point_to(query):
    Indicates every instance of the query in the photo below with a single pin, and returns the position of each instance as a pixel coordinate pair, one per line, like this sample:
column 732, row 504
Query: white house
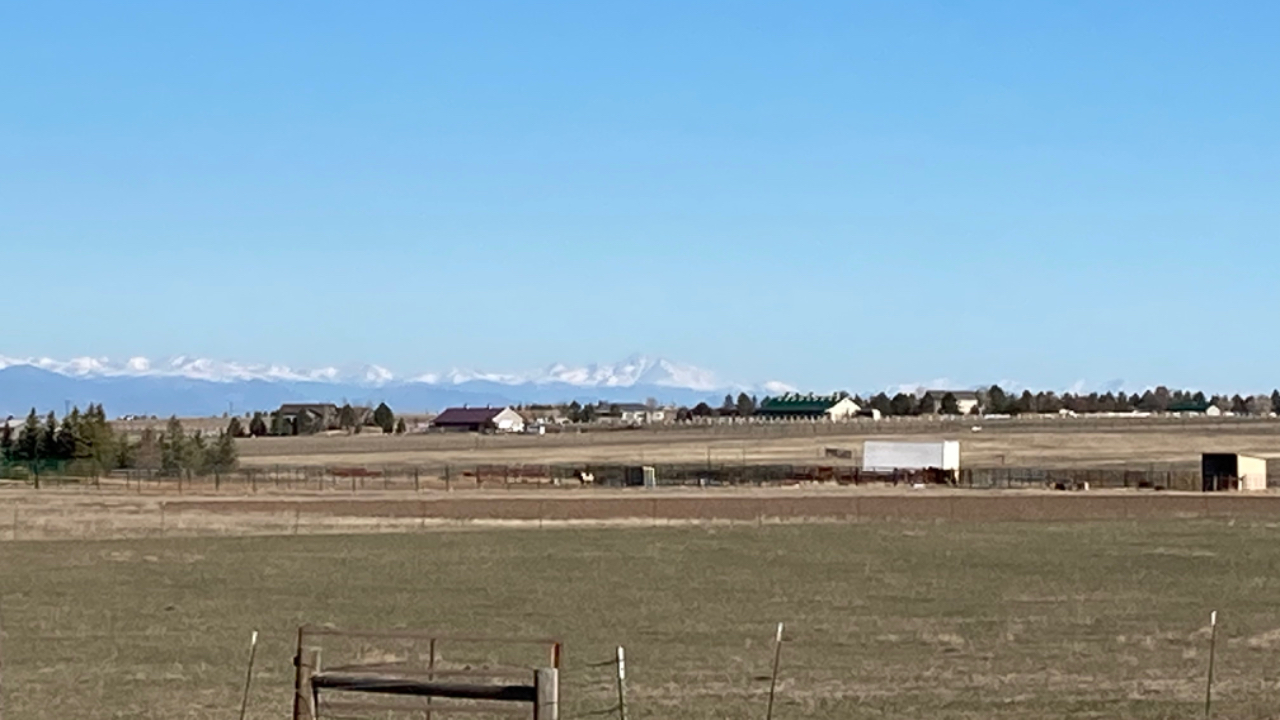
column 640, row 414
column 480, row 420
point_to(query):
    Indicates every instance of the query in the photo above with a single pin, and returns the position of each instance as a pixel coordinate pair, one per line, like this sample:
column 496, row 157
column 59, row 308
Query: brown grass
column 1066, row 444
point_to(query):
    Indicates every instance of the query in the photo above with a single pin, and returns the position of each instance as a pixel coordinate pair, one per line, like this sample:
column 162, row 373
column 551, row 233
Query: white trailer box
column 882, row 456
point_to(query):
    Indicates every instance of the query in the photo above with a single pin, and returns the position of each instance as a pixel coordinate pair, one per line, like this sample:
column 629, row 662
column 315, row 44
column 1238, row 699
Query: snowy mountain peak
column 637, row 370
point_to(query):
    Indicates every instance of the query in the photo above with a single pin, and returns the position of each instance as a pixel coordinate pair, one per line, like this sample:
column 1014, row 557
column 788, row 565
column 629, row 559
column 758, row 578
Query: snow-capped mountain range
column 200, row 386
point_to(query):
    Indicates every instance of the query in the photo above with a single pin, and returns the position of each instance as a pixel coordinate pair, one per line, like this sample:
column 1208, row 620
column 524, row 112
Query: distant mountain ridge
column 199, row 386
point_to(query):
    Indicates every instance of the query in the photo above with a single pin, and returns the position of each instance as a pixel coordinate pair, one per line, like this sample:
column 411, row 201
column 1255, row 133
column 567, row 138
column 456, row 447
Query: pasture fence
column 532, row 476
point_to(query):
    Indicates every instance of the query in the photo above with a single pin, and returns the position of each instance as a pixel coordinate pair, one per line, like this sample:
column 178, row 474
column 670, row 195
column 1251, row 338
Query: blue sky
column 837, row 194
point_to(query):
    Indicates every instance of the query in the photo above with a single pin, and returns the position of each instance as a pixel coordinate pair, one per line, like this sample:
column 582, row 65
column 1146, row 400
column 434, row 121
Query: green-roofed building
column 811, row 406
column 1195, row 407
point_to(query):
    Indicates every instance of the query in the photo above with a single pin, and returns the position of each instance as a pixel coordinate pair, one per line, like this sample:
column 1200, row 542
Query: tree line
column 992, row 400
column 84, row 442
column 349, row 418
column 996, row 401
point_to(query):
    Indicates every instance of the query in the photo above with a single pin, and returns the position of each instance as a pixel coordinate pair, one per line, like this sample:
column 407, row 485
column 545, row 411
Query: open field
column 79, row 514
column 885, row 620
column 1076, row 443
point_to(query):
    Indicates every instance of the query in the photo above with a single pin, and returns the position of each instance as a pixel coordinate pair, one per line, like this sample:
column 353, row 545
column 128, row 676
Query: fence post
column 546, row 688
column 304, row 696
column 773, row 681
column 1, row 664
column 622, row 684
column 1213, row 641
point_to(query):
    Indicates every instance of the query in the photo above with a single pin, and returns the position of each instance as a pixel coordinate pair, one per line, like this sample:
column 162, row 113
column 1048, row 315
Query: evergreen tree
column 928, row 405
column 997, row 401
column 746, row 405
column 223, row 456
column 28, row 446
column 258, row 425
column 1048, row 402
column 125, row 454
column 173, row 447
column 196, row 458
column 235, row 429
column 279, row 426
column 1259, row 405
column 950, row 406
column 728, row 407
column 702, row 410
column 384, row 418
column 1275, row 400
column 902, row 404
column 69, row 442
column 101, row 440
column 347, row 418
column 882, row 403
column 6, row 440
column 401, row 428
column 48, row 442
column 574, row 412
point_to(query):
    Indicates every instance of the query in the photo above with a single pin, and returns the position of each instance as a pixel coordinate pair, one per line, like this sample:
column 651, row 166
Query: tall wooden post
column 546, row 684
column 304, row 696
column 431, row 672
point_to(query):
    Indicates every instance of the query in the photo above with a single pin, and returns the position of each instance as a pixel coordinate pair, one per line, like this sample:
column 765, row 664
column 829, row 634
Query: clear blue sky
column 838, row 194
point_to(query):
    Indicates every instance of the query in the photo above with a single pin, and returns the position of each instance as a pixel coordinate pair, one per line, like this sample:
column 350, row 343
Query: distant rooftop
column 796, row 403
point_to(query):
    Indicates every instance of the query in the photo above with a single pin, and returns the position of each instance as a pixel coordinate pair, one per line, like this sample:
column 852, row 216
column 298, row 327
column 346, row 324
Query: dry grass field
column 1077, row 443
column 884, row 620
column 137, row 603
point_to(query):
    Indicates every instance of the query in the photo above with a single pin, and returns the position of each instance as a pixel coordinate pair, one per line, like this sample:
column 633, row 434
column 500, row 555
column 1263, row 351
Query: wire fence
column 422, row 478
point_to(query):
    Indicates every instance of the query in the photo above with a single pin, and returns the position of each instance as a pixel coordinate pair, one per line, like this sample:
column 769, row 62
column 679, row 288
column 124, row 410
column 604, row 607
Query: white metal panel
column 1252, row 472
column 883, row 455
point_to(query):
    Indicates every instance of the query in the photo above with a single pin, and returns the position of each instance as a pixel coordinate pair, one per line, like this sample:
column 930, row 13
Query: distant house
column 486, row 419
column 638, row 413
column 966, row 400
column 1194, row 407
column 305, row 418
column 815, row 407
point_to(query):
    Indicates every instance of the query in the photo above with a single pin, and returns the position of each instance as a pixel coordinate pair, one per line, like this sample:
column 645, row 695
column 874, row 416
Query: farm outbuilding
column 1229, row 471
column 484, row 419
column 883, row 456
column 812, row 407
